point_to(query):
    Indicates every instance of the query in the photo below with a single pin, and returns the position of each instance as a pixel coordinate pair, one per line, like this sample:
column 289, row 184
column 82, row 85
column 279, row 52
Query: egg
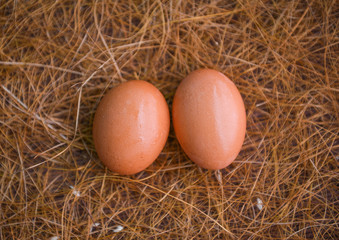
column 131, row 126
column 209, row 118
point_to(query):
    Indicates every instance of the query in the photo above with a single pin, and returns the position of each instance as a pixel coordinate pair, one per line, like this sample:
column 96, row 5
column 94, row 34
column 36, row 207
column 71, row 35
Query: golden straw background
column 57, row 60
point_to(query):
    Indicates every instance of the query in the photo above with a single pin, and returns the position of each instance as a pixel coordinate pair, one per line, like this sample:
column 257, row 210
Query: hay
column 58, row 58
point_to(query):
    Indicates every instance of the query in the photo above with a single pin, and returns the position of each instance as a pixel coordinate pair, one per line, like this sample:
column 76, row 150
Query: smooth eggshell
column 209, row 118
column 131, row 126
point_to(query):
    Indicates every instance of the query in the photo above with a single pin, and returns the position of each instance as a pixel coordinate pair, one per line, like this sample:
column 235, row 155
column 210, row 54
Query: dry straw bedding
column 58, row 58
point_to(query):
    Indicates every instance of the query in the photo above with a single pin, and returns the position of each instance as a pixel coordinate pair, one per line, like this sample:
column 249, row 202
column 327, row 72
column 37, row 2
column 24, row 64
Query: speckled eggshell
column 131, row 126
column 209, row 118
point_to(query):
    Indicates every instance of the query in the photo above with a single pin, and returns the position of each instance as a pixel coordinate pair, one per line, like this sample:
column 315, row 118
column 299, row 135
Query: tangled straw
column 58, row 58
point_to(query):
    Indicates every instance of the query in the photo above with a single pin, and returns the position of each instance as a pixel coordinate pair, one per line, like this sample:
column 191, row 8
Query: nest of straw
column 57, row 60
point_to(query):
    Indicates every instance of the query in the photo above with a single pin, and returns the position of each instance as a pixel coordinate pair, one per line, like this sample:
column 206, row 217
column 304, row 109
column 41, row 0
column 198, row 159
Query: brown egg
column 209, row 118
column 131, row 127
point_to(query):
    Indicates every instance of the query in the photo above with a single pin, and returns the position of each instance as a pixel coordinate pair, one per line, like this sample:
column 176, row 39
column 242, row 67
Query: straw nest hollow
column 57, row 60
